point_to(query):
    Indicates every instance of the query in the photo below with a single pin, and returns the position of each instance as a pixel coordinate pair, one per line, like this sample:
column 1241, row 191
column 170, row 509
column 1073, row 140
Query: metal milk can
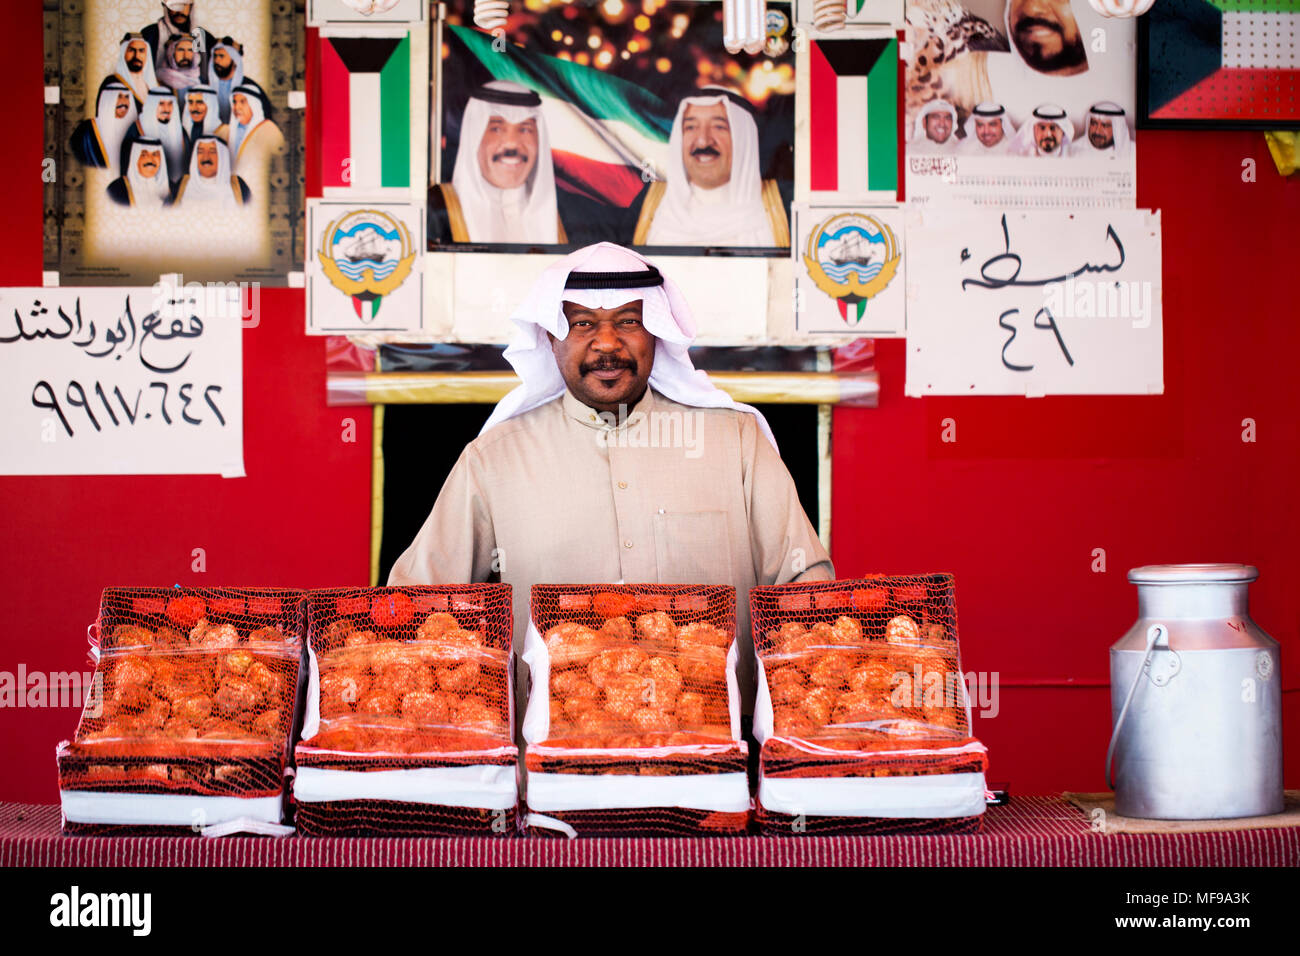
column 1196, row 699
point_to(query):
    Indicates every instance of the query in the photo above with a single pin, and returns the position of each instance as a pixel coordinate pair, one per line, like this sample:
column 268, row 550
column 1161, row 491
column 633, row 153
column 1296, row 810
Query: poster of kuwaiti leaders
column 623, row 120
column 174, row 147
column 1019, row 102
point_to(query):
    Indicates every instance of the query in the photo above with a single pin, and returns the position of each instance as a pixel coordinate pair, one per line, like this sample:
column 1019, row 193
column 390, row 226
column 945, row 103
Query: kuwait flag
column 365, row 111
column 603, row 129
column 1224, row 60
column 853, row 115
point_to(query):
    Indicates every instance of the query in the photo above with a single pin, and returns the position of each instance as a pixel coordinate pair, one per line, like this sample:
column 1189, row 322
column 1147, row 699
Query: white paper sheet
column 1034, row 303
column 130, row 381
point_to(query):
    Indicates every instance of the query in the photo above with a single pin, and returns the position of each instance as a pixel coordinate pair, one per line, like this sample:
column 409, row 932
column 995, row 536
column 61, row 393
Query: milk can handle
column 1154, row 633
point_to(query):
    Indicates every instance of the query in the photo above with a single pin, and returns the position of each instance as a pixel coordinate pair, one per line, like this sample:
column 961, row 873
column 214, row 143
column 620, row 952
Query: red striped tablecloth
column 1031, row 831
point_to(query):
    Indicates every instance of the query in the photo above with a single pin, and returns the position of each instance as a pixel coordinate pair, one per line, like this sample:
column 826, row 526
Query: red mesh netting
column 633, row 680
column 782, row 824
column 650, row 822
column 195, row 693
column 407, row 678
column 353, row 818
column 861, row 679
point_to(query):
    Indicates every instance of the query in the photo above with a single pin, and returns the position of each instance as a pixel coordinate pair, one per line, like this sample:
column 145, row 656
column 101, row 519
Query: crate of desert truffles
column 407, row 725
column 633, row 715
column 862, row 712
column 188, row 725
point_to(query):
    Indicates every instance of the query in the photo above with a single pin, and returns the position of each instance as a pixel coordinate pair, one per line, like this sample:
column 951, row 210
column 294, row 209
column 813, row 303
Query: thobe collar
column 584, row 415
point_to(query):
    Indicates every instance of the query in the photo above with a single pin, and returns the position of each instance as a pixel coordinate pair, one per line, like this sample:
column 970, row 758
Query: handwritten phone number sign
column 118, row 381
column 1034, row 303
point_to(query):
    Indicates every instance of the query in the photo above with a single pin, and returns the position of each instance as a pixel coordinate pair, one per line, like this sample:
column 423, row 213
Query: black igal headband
column 644, row 279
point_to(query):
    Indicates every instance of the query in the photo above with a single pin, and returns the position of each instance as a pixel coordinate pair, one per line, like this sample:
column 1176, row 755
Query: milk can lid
column 1193, row 573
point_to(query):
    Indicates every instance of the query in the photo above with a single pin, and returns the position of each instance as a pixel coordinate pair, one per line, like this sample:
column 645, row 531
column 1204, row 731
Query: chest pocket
column 693, row 547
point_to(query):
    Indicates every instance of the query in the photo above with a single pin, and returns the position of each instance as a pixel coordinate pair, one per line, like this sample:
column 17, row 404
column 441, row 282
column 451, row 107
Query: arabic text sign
column 120, row 381
column 1034, row 303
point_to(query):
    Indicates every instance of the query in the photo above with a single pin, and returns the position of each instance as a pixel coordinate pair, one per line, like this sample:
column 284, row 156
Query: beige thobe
column 673, row 494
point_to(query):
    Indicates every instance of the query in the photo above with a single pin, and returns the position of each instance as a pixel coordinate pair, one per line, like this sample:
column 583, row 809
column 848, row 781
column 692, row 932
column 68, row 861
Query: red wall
column 1015, row 507
column 300, row 518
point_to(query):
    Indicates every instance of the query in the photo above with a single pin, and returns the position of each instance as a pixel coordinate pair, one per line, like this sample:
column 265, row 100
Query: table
column 1031, row 831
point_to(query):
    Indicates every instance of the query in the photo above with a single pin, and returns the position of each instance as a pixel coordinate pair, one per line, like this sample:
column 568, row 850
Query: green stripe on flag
column 395, row 116
column 1256, row 6
column 595, row 93
column 882, row 120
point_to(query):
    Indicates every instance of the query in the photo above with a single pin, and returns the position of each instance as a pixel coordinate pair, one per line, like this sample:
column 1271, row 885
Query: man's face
column 1047, row 36
column 607, row 356
column 706, row 145
column 164, row 112
column 180, row 18
column 183, row 53
column 988, row 131
column 148, row 162
column 223, row 62
column 938, row 126
column 135, row 54
column 1047, row 135
column 507, row 154
column 198, row 107
column 1100, row 132
column 239, row 106
column 123, row 104
column 206, row 153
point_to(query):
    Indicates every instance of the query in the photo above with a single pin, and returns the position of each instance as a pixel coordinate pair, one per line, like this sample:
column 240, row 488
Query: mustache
column 608, row 365
column 705, row 151
column 1029, row 22
column 509, row 153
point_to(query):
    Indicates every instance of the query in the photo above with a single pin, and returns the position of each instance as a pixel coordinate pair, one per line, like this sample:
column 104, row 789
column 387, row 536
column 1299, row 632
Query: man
column 1052, row 58
column 224, row 72
column 158, row 121
column 988, row 131
column 1107, row 132
column 253, row 136
column 144, row 185
column 502, row 186
column 714, row 193
column 178, row 68
column 210, row 182
column 934, row 127
column 178, row 20
column 202, row 114
column 569, row 483
column 97, row 140
column 134, row 68
column 1047, row 134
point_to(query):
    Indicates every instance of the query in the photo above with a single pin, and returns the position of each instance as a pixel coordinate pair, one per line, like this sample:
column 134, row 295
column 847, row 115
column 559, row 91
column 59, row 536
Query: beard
column 1070, row 55
column 226, row 71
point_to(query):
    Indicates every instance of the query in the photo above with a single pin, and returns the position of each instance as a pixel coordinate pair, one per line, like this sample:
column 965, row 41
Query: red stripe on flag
column 1238, row 95
column 335, row 131
column 611, row 183
column 823, row 122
